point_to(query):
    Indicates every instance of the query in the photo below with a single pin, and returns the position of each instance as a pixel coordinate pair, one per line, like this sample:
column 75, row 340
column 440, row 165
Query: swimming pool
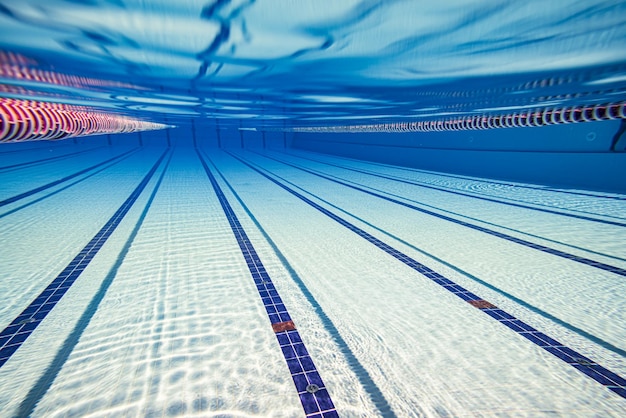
column 317, row 213
column 375, row 265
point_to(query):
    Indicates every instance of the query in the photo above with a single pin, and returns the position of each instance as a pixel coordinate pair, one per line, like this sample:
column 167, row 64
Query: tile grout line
column 16, row 333
column 312, row 392
column 600, row 374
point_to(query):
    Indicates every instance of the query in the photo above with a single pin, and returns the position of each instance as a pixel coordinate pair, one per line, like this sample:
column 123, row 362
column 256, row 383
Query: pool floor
column 147, row 281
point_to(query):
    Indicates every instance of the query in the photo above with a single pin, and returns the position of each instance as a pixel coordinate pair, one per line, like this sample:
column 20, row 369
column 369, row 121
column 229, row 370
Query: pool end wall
column 572, row 156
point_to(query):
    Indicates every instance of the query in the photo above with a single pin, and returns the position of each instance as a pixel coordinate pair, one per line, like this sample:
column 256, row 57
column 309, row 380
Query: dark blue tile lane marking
column 367, row 382
column 67, row 186
column 14, row 335
column 587, row 366
column 38, row 146
column 488, row 285
column 59, row 181
column 313, row 394
column 476, row 179
column 456, row 192
column 543, row 248
column 575, row 247
column 45, row 160
column 40, row 388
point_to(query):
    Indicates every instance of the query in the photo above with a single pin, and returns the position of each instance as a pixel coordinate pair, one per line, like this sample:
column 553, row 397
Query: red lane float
column 530, row 118
column 21, row 68
column 26, row 120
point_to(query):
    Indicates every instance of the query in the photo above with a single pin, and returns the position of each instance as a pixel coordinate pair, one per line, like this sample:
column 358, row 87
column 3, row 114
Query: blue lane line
column 45, row 160
column 543, row 248
column 521, row 186
column 14, row 335
column 587, row 250
column 373, row 391
column 40, row 388
column 496, row 289
column 59, row 181
column 313, row 394
column 487, row 199
column 67, row 186
column 587, row 366
column 37, row 147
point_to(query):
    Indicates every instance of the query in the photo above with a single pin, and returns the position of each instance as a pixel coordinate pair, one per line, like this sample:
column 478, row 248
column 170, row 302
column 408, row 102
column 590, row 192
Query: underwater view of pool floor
column 147, row 281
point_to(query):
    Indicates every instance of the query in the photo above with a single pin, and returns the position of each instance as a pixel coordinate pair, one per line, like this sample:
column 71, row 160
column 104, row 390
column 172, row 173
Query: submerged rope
column 26, row 120
column 530, row 118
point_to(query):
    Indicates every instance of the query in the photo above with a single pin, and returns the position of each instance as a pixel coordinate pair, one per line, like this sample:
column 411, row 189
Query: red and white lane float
column 17, row 67
column 522, row 119
column 26, row 120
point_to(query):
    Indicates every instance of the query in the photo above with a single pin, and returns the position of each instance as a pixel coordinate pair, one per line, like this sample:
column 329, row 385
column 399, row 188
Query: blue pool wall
column 207, row 135
column 571, row 156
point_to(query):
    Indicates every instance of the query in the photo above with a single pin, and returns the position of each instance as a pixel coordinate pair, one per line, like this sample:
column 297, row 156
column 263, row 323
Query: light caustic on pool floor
column 408, row 293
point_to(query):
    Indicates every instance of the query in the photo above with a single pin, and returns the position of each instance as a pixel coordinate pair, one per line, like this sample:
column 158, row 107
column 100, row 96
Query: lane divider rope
column 522, row 119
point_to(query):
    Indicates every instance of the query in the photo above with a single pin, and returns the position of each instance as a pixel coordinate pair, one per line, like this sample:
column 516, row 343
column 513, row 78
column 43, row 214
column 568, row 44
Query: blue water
column 248, row 262
column 261, row 63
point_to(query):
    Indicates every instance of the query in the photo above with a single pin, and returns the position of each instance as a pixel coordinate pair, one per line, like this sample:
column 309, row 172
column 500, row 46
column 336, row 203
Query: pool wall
column 571, row 155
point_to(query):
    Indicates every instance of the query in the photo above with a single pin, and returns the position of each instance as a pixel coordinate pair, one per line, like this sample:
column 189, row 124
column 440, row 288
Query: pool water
column 288, row 244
